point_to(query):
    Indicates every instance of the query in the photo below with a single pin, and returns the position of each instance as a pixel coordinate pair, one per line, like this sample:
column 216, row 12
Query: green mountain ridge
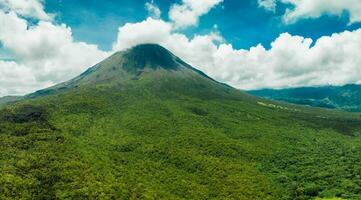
column 143, row 124
column 346, row 97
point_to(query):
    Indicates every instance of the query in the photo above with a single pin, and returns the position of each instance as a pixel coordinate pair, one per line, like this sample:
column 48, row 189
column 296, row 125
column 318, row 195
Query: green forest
column 173, row 134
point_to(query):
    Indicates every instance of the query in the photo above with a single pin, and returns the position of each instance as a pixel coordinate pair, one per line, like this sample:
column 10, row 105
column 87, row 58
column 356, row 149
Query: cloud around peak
column 148, row 31
column 291, row 61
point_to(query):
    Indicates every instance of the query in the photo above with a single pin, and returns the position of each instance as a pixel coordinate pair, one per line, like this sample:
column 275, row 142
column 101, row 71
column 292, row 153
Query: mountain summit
column 149, row 56
column 134, row 62
column 146, row 61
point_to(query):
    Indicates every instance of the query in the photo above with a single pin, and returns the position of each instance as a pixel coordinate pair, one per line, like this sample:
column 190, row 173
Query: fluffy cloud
column 290, row 62
column 12, row 84
column 316, row 8
column 303, row 9
column 268, row 4
column 27, row 8
column 45, row 54
column 153, row 10
column 188, row 13
column 148, row 31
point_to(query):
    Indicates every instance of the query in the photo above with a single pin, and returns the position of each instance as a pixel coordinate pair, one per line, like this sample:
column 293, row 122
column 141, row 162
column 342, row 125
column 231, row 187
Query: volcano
column 143, row 124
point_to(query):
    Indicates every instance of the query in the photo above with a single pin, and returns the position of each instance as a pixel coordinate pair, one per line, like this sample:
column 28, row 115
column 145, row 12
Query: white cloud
column 153, row 10
column 290, row 62
column 27, row 8
column 188, row 13
column 316, row 8
column 148, row 31
column 269, row 5
column 45, row 54
column 17, row 79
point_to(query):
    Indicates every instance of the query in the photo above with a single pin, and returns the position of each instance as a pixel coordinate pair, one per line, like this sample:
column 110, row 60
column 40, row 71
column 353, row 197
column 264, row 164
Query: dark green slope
column 346, row 97
column 144, row 125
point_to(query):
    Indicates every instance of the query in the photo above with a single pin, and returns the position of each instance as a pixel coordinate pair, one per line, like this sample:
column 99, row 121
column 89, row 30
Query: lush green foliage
column 175, row 135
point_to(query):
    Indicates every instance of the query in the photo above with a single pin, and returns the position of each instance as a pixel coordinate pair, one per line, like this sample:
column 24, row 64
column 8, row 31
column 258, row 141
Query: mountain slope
column 145, row 125
column 346, row 97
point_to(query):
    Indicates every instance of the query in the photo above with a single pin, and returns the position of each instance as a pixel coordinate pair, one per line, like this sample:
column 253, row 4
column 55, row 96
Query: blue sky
column 249, row 44
column 242, row 23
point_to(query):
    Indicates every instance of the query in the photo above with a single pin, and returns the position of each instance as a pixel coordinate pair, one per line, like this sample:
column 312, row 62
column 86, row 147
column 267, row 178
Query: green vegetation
column 346, row 97
column 163, row 133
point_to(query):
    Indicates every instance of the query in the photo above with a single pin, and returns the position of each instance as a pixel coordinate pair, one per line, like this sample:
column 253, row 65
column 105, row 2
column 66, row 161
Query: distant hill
column 143, row 124
column 346, row 97
column 8, row 99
